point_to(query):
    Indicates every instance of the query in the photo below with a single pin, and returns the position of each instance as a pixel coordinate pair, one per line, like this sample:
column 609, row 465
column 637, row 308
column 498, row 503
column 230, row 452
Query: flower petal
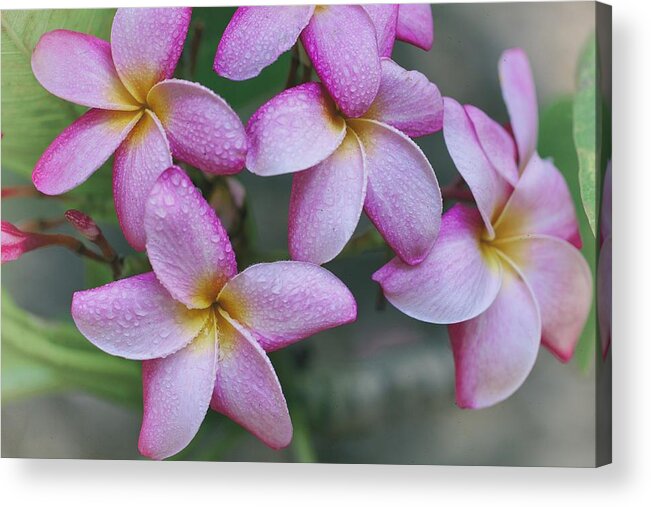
column 186, row 243
column 407, row 100
column 519, row 93
column 256, row 36
column 497, row 144
column 283, row 302
column 415, row 25
column 384, row 18
column 135, row 318
column 295, row 130
column 247, row 389
column 403, row 198
column 541, row 203
column 176, row 395
column 138, row 162
column 147, row 44
column 326, row 203
column 457, row 280
column 78, row 67
column 495, row 351
column 561, row 281
column 605, row 294
column 81, row 149
column 341, row 42
column 489, row 189
column 202, row 128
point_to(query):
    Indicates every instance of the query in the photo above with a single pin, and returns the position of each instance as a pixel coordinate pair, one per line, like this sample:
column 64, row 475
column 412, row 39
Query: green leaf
column 64, row 357
column 556, row 142
column 23, row 378
column 31, row 117
column 587, row 121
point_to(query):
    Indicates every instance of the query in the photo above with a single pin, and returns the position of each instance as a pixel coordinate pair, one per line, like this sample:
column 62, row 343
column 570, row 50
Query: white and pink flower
column 138, row 111
column 507, row 274
column 202, row 329
column 344, row 165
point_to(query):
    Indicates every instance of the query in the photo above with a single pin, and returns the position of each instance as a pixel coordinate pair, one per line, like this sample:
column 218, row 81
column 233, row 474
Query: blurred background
column 378, row 391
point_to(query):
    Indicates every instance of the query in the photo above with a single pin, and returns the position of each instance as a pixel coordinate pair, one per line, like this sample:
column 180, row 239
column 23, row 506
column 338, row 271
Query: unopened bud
column 84, row 225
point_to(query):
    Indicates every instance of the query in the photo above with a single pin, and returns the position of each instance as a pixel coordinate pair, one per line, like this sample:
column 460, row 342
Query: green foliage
column 587, row 123
column 556, row 142
column 48, row 355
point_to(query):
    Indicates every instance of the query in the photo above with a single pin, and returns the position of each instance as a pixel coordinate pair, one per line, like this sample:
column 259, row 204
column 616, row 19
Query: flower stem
column 23, row 191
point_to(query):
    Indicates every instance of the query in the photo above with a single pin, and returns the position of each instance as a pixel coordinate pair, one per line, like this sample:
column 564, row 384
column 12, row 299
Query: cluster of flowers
column 504, row 274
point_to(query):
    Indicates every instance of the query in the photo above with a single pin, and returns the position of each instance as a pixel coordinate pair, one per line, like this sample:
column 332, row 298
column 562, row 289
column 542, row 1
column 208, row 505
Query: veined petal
column 283, row 302
column 256, row 36
column 135, row 318
column 519, row 93
column 176, row 395
column 81, row 149
column 186, row 243
column 495, row 351
column 605, row 294
column 541, row 203
column 295, row 130
column 202, row 128
column 561, row 281
column 497, row 144
column 78, row 67
column 457, row 281
column 415, row 25
column 146, row 44
column 403, row 198
column 385, row 18
column 489, row 189
column 247, row 389
column 341, row 42
column 138, row 162
column 408, row 101
column 326, row 203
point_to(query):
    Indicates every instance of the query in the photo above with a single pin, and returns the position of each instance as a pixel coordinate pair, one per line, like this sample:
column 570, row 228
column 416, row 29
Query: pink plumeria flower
column 343, row 165
column 201, row 328
column 16, row 242
column 605, row 266
column 137, row 111
column 344, row 42
column 504, row 275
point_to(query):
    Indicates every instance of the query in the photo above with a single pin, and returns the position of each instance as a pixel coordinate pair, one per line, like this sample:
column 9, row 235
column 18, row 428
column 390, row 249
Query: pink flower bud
column 16, row 242
column 85, row 225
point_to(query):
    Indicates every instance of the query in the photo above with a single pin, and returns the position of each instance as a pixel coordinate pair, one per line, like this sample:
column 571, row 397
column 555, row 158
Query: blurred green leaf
column 586, row 110
column 556, row 142
column 23, row 378
column 62, row 356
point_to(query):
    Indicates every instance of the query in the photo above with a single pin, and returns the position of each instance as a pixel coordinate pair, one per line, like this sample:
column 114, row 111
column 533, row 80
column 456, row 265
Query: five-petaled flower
column 344, row 42
column 201, row 328
column 137, row 111
column 343, row 165
column 507, row 273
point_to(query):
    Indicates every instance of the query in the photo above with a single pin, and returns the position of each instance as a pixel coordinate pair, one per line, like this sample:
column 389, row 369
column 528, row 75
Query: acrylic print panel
column 343, row 234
